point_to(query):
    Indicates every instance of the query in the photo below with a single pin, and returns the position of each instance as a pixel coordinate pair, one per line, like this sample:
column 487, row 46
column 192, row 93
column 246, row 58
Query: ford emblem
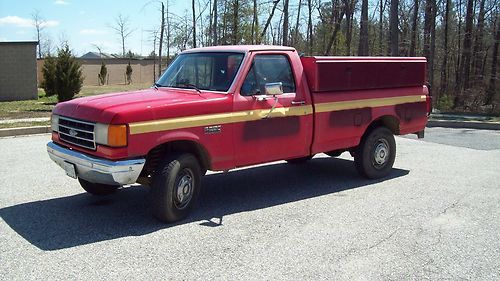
column 73, row 133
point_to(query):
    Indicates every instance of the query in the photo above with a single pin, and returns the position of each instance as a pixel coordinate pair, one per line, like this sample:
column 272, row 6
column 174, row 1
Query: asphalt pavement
column 436, row 217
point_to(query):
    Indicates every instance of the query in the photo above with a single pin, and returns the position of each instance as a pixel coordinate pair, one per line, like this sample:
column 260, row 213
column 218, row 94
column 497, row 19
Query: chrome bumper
column 97, row 170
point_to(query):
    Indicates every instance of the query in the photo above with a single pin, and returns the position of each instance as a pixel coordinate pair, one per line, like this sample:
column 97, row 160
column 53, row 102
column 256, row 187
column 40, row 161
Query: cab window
column 268, row 69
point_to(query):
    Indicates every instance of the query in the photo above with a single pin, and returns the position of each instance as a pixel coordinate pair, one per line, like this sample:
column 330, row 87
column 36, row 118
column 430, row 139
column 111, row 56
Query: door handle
column 302, row 102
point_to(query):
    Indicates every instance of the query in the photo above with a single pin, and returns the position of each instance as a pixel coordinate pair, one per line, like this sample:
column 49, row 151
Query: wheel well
column 388, row 121
column 158, row 153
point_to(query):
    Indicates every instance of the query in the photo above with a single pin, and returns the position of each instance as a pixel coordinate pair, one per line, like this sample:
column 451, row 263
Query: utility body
column 223, row 107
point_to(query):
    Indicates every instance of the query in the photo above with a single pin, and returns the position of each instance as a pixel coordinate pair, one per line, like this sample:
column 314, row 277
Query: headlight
column 54, row 123
column 111, row 135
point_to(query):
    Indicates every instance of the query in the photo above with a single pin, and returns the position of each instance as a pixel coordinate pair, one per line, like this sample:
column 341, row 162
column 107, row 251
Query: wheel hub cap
column 184, row 189
column 381, row 153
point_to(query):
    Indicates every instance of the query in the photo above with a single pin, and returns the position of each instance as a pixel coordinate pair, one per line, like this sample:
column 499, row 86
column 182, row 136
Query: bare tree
column 491, row 91
column 236, row 8
column 255, row 21
column 363, row 30
column 285, row 23
column 39, row 24
column 429, row 27
column 122, row 28
column 276, row 2
column 214, row 26
column 194, row 24
column 296, row 31
column 444, row 67
column 337, row 16
column 393, row 28
column 414, row 25
column 466, row 53
column 160, row 44
column 310, row 28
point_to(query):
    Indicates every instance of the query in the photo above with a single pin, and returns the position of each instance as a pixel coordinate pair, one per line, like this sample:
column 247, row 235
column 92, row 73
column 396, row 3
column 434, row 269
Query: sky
column 85, row 22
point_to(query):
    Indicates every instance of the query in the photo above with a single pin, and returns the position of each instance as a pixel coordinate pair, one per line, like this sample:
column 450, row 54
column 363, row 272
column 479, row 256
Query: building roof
column 18, row 42
column 95, row 55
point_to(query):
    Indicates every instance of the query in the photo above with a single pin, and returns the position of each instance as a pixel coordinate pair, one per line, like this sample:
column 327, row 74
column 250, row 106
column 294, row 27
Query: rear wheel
column 175, row 187
column 375, row 155
column 97, row 188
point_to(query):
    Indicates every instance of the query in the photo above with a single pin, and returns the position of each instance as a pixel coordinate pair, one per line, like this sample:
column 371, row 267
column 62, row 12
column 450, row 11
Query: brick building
column 18, row 71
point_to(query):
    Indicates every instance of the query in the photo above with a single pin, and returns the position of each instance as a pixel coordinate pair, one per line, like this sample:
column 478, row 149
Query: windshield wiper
column 156, row 86
column 189, row 85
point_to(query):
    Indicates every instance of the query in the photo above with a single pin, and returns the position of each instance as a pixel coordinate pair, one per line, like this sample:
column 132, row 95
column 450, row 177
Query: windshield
column 203, row 71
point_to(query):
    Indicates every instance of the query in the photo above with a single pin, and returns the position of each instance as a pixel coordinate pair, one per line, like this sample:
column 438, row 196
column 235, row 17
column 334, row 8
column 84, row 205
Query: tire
column 175, row 187
column 98, row 188
column 300, row 160
column 375, row 155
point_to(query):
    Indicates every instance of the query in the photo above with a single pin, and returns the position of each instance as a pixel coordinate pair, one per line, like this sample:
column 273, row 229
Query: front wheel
column 97, row 188
column 375, row 155
column 175, row 187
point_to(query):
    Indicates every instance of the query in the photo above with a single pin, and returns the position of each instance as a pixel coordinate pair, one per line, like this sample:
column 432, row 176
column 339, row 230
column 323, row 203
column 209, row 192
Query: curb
column 463, row 124
column 8, row 132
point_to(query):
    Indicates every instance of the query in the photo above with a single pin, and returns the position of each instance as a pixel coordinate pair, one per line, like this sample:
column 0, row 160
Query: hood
column 143, row 105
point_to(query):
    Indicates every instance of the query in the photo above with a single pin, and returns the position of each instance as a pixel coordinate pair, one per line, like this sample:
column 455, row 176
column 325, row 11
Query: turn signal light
column 117, row 135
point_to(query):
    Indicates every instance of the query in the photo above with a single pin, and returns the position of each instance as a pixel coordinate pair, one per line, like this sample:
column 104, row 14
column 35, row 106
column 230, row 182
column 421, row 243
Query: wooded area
column 459, row 38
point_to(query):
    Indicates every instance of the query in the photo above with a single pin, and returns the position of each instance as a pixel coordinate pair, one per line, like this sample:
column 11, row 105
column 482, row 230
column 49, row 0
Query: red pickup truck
column 219, row 108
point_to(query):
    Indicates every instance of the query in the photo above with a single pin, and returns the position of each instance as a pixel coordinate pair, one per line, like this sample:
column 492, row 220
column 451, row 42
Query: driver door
column 275, row 128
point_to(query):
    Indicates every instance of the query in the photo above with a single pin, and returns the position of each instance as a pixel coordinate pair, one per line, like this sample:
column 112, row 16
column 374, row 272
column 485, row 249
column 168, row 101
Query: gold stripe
column 252, row 115
column 216, row 119
column 354, row 104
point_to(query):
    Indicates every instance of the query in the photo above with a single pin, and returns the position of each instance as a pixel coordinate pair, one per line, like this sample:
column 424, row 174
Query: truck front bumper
column 93, row 169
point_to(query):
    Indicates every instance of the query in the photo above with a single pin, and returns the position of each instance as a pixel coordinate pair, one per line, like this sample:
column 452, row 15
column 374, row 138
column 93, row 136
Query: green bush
column 62, row 75
column 445, row 103
column 49, row 76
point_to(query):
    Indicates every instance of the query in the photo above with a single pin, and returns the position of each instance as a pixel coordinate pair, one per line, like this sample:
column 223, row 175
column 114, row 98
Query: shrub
column 128, row 73
column 49, row 76
column 62, row 75
column 102, row 74
column 445, row 103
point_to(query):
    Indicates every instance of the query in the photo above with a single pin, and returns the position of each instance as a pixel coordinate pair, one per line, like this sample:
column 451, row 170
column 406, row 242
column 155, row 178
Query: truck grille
column 76, row 132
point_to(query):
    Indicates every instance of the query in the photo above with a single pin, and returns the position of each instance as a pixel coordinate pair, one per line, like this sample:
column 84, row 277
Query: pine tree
column 49, row 75
column 68, row 75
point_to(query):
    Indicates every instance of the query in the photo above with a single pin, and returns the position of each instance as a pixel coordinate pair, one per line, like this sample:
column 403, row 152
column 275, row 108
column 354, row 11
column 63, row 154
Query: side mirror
column 273, row 89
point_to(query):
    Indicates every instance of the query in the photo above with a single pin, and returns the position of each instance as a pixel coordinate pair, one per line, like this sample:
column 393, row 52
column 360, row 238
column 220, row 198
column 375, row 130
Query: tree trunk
column 194, row 24
column 254, row 22
column 478, row 45
column 466, row 53
column 285, row 23
column 349, row 10
column 336, row 27
column 363, row 30
column 168, row 35
column 160, row 44
column 214, row 26
column 236, row 7
column 427, row 50
column 380, row 28
column 269, row 20
column 296, row 31
column 414, row 25
column 393, row 28
column 491, row 91
column 444, row 71
column 310, row 27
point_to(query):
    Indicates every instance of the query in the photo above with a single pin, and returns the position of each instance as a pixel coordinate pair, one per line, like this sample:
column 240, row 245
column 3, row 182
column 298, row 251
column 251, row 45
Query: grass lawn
column 44, row 105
